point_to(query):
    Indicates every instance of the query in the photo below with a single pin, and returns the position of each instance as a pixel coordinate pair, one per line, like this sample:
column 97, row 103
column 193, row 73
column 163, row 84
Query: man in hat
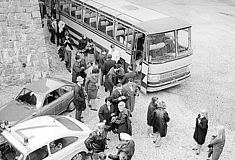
column 79, row 99
column 78, row 69
column 127, row 146
column 160, row 119
column 153, row 105
column 96, row 142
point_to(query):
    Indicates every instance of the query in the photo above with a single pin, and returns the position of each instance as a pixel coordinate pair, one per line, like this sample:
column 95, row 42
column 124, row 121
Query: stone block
column 36, row 14
column 22, row 59
column 10, row 44
column 3, row 17
column 11, row 52
column 25, row 3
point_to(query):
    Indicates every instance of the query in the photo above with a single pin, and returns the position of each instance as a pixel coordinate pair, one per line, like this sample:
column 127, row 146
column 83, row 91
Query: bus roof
column 149, row 20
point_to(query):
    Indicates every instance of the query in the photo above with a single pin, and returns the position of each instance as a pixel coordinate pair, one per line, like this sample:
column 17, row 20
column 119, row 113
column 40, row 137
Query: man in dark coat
column 108, row 64
column 122, row 120
column 160, row 119
column 132, row 89
column 151, row 108
column 78, row 69
column 101, row 61
column 82, row 43
column 96, row 142
column 125, row 149
column 118, row 95
column 79, row 100
column 106, row 112
column 114, row 77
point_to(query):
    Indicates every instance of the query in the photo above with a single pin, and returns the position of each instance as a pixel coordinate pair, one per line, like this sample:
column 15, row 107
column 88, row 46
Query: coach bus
column 159, row 43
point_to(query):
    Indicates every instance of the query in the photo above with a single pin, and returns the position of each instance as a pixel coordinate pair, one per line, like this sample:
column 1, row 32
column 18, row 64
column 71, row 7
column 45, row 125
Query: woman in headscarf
column 200, row 130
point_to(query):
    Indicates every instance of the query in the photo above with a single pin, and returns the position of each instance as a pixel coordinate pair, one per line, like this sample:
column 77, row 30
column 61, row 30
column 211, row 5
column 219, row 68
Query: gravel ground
column 211, row 85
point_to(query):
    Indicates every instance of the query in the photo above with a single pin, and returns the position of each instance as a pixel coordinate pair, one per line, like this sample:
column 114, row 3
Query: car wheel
column 79, row 156
column 71, row 107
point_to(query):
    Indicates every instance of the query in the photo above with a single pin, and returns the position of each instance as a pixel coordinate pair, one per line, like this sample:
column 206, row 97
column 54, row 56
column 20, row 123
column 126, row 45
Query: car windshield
column 162, row 46
column 9, row 152
column 30, row 98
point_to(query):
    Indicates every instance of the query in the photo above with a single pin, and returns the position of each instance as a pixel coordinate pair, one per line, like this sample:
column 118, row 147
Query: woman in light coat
column 218, row 141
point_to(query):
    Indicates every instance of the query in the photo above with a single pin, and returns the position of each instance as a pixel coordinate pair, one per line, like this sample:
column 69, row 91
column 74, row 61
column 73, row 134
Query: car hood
column 15, row 111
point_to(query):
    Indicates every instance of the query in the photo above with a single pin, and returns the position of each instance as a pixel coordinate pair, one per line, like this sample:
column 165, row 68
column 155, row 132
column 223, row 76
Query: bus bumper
column 161, row 86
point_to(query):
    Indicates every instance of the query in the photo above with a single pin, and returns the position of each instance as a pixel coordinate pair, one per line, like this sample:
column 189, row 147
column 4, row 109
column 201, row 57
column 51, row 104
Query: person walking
column 160, row 119
column 101, row 61
column 200, row 131
column 90, row 51
column 151, row 108
column 96, row 142
column 126, row 148
column 91, row 86
column 108, row 64
column 60, row 31
column 67, row 52
column 217, row 142
column 78, row 69
column 122, row 120
column 79, row 99
column 132, row 89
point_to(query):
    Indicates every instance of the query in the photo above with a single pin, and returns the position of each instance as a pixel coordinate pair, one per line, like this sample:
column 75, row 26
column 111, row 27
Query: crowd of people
column 90, row 71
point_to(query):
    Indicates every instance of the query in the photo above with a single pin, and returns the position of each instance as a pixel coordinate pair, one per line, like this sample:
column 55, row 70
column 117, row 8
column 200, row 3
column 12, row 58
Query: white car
column 45, row 138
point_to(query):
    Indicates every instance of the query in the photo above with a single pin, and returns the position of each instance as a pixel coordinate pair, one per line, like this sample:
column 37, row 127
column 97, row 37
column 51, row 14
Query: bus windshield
column 162, row 46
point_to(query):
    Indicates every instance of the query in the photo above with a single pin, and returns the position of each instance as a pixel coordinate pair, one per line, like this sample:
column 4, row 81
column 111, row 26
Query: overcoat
column 91, row 86
column 200, row 130
column 132, row 90
column 116, row 94
column 124, row 123
column 218, row 145
column 105, row 113
column 79, row 98
column 160, row 119
column 151, row 109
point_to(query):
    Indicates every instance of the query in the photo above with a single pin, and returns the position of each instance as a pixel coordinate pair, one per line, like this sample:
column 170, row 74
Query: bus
column 158, row 44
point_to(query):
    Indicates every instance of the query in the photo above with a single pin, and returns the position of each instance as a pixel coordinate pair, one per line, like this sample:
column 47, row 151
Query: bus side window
column 105, row 25
column 129, row 38
column 65, row 6
column 76, row 11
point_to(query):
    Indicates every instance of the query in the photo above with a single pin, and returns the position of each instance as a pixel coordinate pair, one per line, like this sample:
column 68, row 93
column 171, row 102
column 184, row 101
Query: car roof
column 42, row 130
column 46, row 85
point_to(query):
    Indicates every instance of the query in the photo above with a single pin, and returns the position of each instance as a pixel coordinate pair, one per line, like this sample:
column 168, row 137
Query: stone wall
column 23, row 53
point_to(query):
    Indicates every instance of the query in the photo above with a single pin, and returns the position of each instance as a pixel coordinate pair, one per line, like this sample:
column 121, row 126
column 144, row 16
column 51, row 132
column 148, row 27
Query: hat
column 109, row 55
column 125, row 136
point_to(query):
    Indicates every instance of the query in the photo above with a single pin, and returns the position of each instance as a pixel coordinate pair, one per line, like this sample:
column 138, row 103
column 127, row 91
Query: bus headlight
column 154, row 78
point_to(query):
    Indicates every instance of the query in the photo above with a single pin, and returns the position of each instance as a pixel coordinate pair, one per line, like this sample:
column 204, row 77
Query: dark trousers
column 52, row 39
column 78, row 114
